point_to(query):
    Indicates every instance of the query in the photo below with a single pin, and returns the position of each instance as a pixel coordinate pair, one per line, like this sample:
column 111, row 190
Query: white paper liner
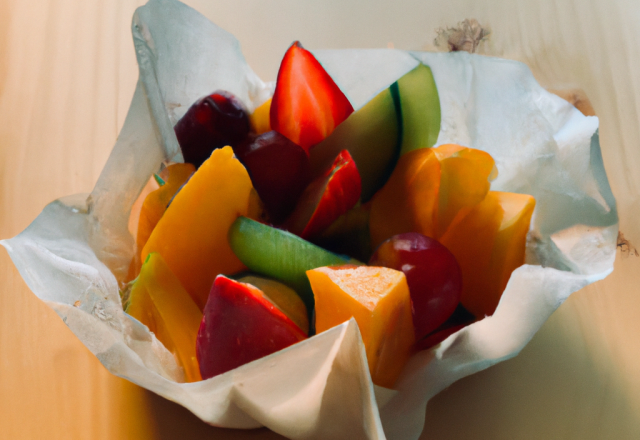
column 72, row 253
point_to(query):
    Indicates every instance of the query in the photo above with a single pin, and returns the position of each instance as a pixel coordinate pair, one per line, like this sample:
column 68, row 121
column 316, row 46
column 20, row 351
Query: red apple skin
column 433, row 276
column 327, row 198
column 279, row 171
column 240, row 325
column 307, row 104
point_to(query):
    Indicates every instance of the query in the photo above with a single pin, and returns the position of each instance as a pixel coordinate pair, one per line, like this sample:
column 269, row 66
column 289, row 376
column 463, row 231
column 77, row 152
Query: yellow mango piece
column 283, row 297
column 260, row 120
column 464, row 182
column 428, row 189
column 191, row 236
column 155, row 204
column 159, row 301
column 489, row 243
column 408, row 201
column 378, row 299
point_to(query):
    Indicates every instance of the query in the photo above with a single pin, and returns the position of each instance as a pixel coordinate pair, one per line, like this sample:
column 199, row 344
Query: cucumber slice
column 371, row 135
column 419, row 109
column 280, row 255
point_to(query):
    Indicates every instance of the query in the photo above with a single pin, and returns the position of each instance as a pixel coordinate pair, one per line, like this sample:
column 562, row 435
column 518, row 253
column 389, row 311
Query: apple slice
column 280, row 255
column 326, row 198
column 285, row 298
column 240, row 325
column 307, row 104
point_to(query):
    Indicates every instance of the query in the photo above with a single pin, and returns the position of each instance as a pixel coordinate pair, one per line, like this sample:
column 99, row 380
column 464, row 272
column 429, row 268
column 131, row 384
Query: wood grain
column 67, row 74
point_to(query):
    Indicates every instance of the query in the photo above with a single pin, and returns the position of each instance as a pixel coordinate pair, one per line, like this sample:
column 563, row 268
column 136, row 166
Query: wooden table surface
column 67, row 74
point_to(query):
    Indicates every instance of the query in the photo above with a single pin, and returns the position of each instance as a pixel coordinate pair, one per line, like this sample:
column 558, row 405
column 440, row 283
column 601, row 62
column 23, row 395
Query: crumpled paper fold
column 77, row 249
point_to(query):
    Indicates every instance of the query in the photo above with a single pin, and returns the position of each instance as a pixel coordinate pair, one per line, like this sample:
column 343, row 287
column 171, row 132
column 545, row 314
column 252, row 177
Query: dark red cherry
column 433, row 276
column 279, row 171
column 214, row 121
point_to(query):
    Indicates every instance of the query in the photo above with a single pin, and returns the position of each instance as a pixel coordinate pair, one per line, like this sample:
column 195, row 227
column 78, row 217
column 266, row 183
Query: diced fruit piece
column 371, row 136
column 409, row 199
column 279, row 254
column 465, row 175
column 420, row 109
column 378, row 299
column 279, row 170
column 192, row 234
column 259, row 119
column 433, row 276
column 159, row 301
column 429, row 188
column 156, row 202
column 283, row 297
column 240, row 325
column 307, row 104
column 212, row 122
column 489, row 243
column 326, row 198
column 349, row 234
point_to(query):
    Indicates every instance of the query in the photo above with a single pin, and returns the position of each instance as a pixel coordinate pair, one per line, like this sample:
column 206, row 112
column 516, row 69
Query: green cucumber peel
column 417, row 100
column 280, row 255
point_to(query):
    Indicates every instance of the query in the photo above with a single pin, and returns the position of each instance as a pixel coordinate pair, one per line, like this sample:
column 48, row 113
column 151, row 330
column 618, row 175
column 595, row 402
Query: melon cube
column 378, row 298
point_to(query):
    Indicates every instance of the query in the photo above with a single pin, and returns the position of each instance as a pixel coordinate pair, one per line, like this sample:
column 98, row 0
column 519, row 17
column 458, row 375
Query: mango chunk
column 159, row 301
column 192, row 234
column 155, row 204
column 428, row 189
column 259, row 119
column 378, row 299
column 489, row 243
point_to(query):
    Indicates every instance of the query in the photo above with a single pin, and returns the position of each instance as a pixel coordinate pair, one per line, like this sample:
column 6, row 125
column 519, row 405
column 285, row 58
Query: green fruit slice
column 419, row 108
column 280, row 255
column 371, row 136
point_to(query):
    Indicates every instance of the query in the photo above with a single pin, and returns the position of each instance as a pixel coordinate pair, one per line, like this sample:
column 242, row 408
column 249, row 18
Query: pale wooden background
column 67, row 73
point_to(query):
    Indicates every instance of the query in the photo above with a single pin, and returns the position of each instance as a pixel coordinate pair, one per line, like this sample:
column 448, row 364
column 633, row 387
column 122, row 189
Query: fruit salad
column 289, row 220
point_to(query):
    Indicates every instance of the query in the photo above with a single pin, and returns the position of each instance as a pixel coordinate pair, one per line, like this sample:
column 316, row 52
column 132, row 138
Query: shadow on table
column 173, row 422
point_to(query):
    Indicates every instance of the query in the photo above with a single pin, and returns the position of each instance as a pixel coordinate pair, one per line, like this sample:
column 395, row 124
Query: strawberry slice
column 326, row 198
column 307, row 104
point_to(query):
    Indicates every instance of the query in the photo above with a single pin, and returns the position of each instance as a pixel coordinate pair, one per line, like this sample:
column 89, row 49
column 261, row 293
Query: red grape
column 214, row 121
column 433, row 276
column 279, row 171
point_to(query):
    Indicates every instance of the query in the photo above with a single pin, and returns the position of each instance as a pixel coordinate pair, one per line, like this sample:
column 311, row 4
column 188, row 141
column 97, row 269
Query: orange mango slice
column 159, row 301
column 191, row 236
column 155, row 204
column 428, row 188
column 489, row 243
column 378, row 299
column 259, row 119
column 408, row 201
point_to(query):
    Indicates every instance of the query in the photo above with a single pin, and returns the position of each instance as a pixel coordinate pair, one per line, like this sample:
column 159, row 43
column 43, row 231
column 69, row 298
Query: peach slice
column 159, row 301
column 192, row 234
column 378, row 299
column 489, row 243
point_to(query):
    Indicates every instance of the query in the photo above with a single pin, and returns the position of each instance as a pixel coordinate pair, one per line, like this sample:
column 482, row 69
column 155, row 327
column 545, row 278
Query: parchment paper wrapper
column 72, row 255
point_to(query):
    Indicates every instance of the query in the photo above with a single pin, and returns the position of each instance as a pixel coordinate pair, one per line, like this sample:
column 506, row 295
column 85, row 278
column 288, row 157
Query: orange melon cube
column 159, row 301
column 192, row 234
column 378, row 298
